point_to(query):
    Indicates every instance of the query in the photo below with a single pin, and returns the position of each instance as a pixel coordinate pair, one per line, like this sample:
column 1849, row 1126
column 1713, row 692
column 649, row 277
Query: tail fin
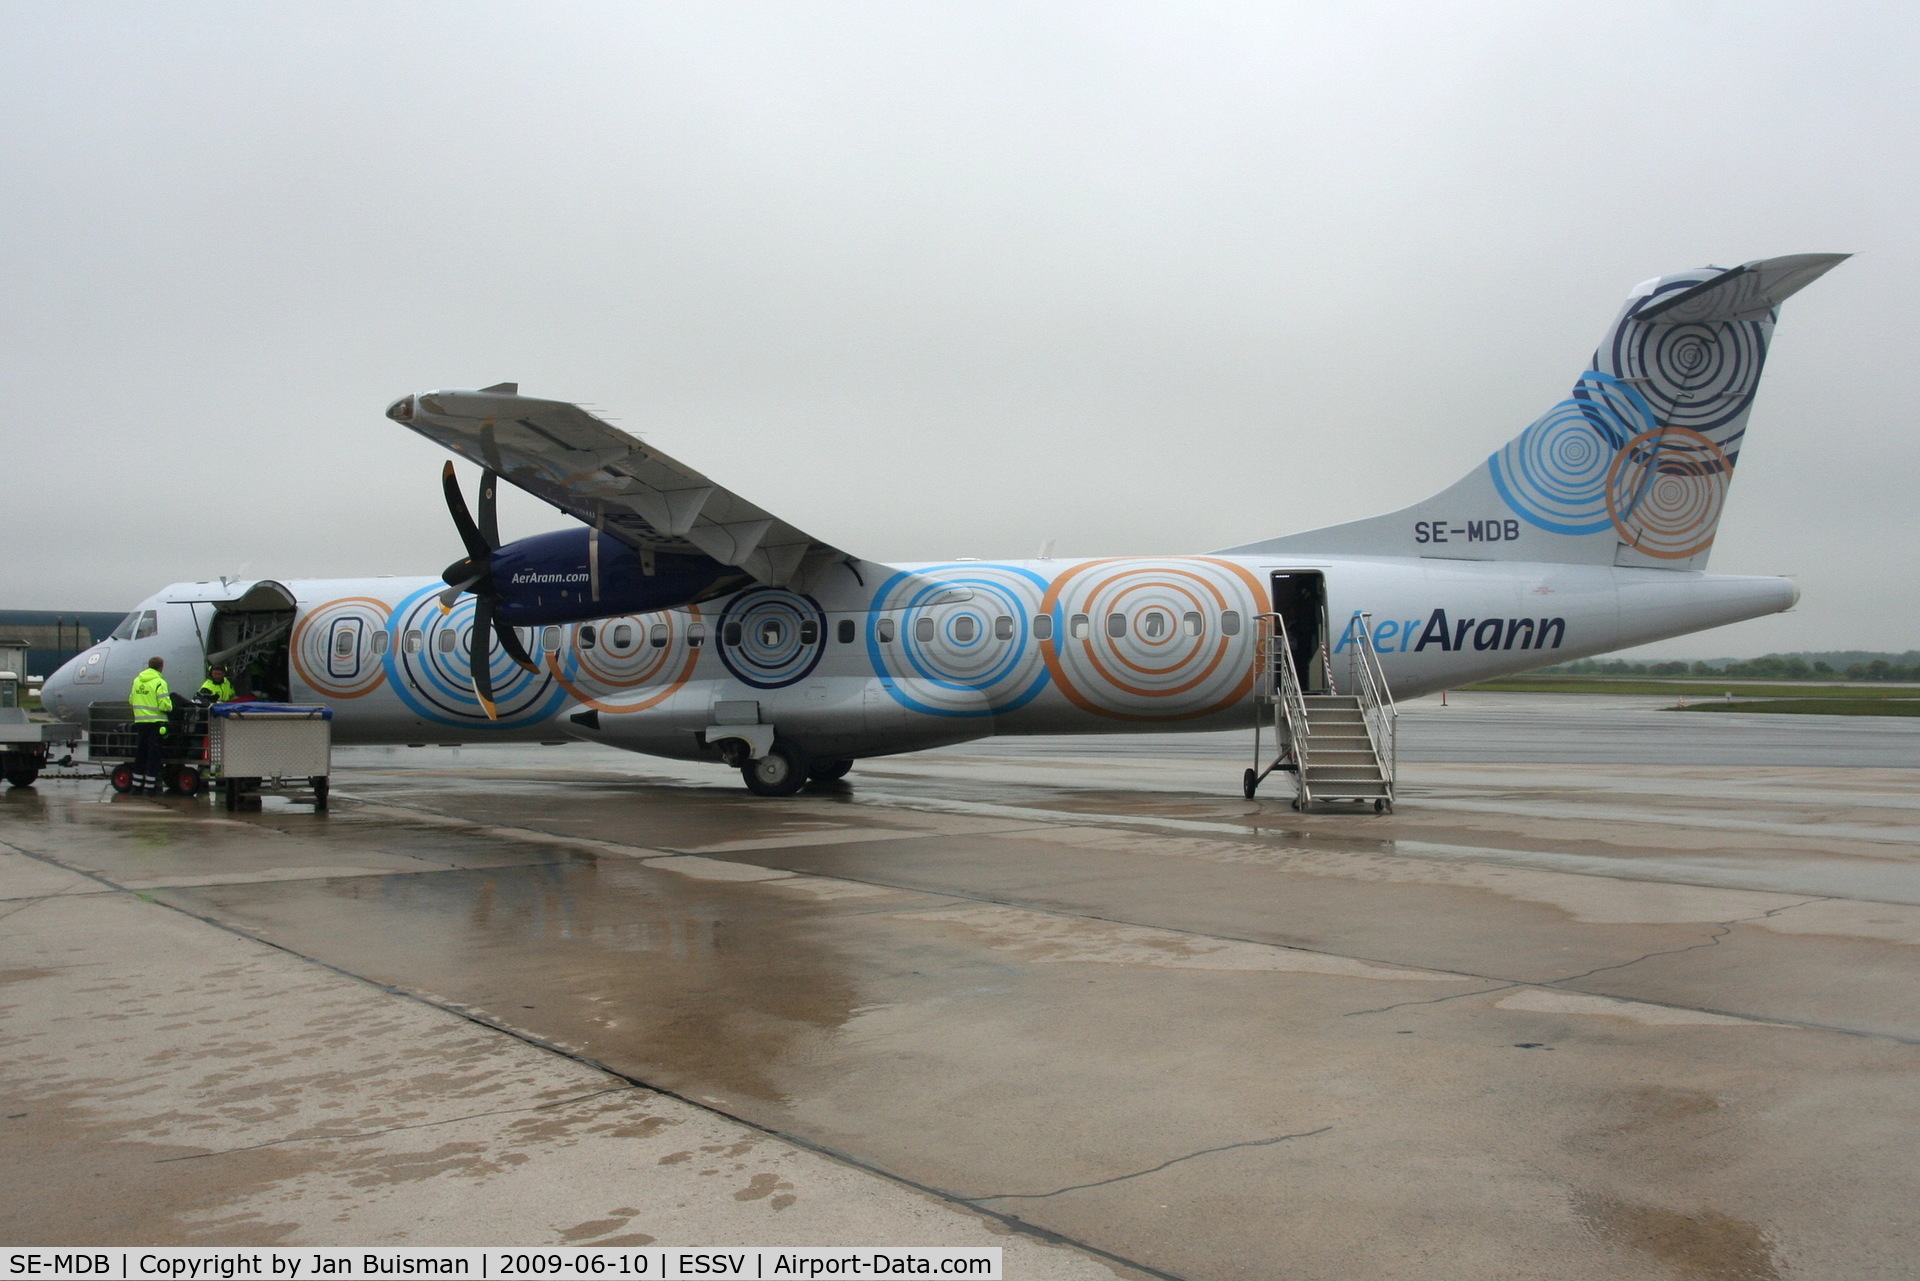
column 1633, row 467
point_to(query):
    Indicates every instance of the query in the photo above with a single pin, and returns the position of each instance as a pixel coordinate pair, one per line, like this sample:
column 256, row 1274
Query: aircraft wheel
column 829, row 771
column 1250, row 783
column 122, row 779
column 781, row 772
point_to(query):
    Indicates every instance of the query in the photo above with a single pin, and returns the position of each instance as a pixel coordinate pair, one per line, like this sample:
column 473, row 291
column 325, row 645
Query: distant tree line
column 1779, row 667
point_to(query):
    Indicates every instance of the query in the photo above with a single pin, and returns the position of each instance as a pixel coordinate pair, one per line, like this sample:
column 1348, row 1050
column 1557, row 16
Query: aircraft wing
column 600, row 475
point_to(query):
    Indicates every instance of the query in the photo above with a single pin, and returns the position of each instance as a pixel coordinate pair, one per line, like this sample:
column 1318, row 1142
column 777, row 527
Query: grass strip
column 1688, row 688
column 1812, row 706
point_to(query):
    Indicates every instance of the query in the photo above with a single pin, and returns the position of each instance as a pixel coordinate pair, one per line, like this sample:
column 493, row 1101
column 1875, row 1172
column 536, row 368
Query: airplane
column 678, row 619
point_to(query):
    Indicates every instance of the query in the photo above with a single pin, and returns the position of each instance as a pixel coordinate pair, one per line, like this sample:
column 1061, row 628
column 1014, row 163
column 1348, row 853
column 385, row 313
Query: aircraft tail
column 1632, row 468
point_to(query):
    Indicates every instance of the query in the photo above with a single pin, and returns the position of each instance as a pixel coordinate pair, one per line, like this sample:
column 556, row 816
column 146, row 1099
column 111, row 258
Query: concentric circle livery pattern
column 434, row 683
column 1554, row 474
column 965, row 659
column 1698, row 376
column 624, row 658
column 1155, row 670
column 771, row 653
column 311, row 647
column 1665, row 492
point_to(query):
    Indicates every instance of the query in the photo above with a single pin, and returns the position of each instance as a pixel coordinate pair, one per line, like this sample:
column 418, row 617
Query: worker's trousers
column 147, row 765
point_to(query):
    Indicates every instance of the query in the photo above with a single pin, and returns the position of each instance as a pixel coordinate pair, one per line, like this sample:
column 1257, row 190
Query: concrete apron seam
column 1141, row 1174
column 647, row 854
column 622, row 1088
column 1012, row 1222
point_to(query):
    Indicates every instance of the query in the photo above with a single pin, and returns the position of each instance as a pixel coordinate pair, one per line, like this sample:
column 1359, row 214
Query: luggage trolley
column 111, row 738
column 280, row 747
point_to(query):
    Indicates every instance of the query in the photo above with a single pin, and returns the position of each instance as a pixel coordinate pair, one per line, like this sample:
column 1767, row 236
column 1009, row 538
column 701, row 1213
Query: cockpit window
column 138, row 625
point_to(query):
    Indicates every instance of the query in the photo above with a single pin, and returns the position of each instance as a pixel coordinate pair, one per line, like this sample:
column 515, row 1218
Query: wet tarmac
column 1620, row 1018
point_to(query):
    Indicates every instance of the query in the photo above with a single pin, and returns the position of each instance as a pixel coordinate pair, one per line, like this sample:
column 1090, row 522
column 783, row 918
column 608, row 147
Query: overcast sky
column 930, row 279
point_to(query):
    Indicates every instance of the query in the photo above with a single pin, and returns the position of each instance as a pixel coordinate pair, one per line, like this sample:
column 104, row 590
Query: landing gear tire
column 829, row 771
column 781, row 772
column 1250, row 783
column 122, row 778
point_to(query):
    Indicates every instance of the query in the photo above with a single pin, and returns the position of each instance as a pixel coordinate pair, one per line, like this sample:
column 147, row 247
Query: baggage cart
column 279, row 747
column 111, row 739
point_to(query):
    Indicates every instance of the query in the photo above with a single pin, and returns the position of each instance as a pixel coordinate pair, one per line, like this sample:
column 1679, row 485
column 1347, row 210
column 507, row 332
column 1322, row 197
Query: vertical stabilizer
column 1632, row 468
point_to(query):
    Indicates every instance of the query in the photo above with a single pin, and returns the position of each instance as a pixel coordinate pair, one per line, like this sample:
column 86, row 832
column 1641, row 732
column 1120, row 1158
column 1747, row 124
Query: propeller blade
column 478, row 549
column 480, row 655
column 489, row 512
column 452, row 595
column 511, row 643
column 593, row 560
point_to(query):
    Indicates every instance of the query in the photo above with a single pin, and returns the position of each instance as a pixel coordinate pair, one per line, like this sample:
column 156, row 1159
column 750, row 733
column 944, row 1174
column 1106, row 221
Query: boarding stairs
column 1338, row 747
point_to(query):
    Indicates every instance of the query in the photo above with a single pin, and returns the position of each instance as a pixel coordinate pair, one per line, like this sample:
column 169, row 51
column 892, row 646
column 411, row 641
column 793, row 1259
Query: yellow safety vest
column 150, row 699
column 222, row 692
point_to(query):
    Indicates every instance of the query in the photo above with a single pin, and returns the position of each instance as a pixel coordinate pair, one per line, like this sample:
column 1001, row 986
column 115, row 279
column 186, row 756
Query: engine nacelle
column 548, row 578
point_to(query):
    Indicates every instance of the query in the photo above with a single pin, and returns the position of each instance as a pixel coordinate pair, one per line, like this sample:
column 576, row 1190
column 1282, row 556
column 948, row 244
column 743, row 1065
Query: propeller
column 472, row 573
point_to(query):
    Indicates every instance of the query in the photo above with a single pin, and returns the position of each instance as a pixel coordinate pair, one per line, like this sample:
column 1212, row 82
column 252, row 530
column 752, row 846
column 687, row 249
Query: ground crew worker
column 151, row 706
column 217, row 688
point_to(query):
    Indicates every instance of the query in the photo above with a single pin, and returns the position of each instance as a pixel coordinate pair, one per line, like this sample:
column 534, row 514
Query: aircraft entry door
column 1300, row 598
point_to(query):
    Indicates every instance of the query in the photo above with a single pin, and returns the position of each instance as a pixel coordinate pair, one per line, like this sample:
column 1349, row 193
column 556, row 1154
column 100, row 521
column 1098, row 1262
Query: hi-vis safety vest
column 150, row 698
column 222, row 691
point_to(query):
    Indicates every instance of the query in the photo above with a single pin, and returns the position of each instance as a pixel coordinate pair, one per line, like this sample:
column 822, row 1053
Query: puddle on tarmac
column 702, row 986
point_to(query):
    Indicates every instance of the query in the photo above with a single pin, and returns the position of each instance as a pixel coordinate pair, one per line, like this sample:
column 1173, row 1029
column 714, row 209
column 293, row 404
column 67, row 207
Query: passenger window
column 588, row 636
column 147, row 626
column 1154, row 624
column 1190, row 623
column 622, row 635
column 696, row 635
column 731, row 636
column 415, row 640
column 1043, row 626
column 772, row 632
column 1116, row 624
column 345, row 641
column 1079, row 627
column 884, row 630
column 381, row 640
column 550, row 639
column 846, row 631
column 657, row 636
column 923, row 629
column 964, row 628
column 1230, row 623
column 1003, row 628
column 446, row 638
column 809, row 632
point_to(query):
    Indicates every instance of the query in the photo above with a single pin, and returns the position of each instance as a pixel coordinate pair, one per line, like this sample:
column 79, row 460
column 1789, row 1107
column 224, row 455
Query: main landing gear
column 786, row 768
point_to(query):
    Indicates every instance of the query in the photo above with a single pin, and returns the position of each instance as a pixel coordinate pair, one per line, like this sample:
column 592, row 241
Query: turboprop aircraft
column 679, row 619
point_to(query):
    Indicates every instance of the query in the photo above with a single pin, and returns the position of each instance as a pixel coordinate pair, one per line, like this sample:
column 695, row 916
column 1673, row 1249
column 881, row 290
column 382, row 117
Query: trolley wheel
column 829, row 771
column 1250, row 783
column 122, row 779
column 781, row 772
column 186, row 780
column 1380, row 806
column 319, row 782
column 1295, row 802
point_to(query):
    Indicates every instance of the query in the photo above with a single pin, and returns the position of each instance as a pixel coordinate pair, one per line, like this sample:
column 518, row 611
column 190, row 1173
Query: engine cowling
column 549, row 578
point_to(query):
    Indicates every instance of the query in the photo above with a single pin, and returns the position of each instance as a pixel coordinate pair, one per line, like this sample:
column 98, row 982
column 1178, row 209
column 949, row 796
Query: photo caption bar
column 491, row 1263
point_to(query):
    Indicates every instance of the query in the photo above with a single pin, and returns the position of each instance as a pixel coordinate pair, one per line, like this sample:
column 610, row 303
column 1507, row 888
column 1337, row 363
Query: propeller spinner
column 473, row 573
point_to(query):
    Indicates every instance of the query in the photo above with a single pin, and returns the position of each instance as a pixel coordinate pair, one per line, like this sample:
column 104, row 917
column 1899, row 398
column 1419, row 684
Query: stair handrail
column 1369, row 680
column 1280, row 684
